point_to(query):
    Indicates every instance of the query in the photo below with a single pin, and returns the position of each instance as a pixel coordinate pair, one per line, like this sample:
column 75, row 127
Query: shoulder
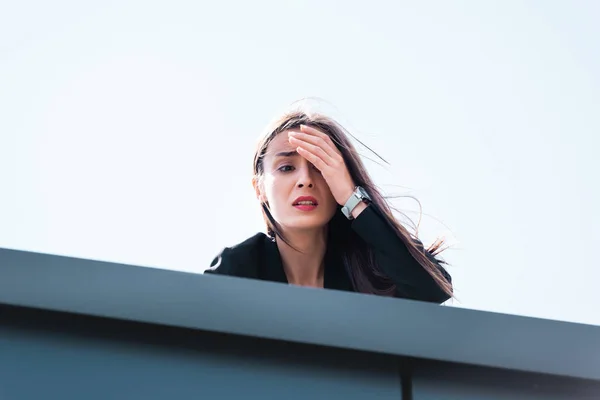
column 240, row 259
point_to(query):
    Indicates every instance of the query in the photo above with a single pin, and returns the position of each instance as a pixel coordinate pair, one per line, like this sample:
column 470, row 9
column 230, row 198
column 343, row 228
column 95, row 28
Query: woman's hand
column 318, row 149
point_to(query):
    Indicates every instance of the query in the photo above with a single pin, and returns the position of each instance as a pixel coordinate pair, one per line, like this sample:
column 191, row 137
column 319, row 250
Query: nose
column 305, row 177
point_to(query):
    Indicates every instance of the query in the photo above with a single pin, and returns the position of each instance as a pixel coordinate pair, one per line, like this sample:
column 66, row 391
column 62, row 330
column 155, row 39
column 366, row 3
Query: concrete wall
column 69, row 331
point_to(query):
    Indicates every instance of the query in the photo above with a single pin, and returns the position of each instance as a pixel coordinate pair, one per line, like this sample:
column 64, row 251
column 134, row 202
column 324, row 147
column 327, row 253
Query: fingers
column 312, row 158
column 311, row 131
column 322, row 141
column 313, row 150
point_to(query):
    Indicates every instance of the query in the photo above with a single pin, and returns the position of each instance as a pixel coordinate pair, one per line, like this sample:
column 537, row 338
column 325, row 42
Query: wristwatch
column 359, row 194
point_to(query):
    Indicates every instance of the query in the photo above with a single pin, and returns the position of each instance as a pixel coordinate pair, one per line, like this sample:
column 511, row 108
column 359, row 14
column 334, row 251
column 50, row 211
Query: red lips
column 306, row 199
column 305, row 203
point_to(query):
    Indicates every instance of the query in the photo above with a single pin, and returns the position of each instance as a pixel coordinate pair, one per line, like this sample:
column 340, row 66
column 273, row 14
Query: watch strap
column 355, row 199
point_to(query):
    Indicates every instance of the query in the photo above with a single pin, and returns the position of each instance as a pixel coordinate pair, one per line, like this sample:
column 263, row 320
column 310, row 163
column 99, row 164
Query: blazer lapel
column 272, row 266
column 335, row 272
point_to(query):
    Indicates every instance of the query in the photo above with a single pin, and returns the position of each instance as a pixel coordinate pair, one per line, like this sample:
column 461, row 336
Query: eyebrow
column 287, row 154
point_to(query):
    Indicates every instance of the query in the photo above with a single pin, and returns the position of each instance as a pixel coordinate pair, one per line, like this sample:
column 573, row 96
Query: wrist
column 356, row 203
column 347, row 194
column 359, row 209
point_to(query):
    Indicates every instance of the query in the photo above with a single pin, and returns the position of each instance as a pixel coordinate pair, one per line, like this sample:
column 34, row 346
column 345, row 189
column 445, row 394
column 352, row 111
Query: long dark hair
column 358, row 258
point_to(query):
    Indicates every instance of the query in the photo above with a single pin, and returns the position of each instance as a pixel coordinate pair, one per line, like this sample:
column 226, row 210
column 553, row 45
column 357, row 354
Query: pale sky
column 127, row 129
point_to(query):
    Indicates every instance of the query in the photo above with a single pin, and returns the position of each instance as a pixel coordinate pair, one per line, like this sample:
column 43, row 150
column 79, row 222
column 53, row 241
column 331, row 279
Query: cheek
column 274, row 189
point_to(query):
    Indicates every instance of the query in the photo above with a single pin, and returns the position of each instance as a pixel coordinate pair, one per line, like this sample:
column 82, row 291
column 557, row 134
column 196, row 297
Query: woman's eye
column 286, row 168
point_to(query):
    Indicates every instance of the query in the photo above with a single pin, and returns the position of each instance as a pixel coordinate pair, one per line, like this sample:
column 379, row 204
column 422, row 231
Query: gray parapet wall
column 73, row 328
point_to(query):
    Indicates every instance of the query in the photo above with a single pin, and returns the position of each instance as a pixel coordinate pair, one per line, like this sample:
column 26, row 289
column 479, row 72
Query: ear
column 256, row 183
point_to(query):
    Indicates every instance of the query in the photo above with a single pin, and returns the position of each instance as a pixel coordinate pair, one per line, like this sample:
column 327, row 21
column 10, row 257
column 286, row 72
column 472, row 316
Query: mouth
column 305, row 203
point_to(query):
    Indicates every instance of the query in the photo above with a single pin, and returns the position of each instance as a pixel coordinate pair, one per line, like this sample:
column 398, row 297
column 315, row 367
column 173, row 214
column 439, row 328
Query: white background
column 127, row 129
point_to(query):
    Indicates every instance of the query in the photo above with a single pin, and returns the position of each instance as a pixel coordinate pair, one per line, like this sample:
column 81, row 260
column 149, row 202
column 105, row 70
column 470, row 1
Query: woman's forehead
column 280, row 144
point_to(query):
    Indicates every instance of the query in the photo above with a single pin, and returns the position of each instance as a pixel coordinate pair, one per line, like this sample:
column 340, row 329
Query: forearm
column 395, row 259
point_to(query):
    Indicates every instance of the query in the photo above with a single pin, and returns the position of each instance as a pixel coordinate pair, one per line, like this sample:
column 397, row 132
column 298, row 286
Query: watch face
column 363, row 193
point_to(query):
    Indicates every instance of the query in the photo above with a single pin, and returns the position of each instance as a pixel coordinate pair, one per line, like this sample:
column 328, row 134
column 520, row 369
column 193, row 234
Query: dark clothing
column 258, row 258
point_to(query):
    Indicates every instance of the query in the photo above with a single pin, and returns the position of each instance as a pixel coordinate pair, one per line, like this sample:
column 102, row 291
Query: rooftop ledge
column 296, row 314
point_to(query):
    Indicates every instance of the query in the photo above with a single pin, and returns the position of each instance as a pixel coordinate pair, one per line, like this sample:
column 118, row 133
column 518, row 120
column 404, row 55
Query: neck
column 303, row 264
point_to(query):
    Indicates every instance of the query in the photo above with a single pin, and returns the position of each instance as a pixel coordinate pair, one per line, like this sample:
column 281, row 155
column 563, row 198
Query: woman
column 327, row 224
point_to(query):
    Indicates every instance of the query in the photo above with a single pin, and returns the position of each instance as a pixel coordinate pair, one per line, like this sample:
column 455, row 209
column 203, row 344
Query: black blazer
column 258, row 258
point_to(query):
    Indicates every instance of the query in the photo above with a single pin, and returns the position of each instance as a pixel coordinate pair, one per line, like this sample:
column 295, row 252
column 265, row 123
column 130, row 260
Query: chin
column 307, row 223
